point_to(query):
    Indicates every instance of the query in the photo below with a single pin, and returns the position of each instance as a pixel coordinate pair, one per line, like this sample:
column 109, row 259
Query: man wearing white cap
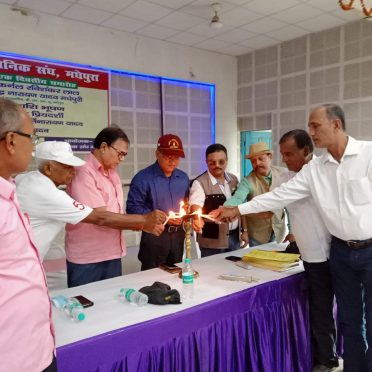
column 49, row 208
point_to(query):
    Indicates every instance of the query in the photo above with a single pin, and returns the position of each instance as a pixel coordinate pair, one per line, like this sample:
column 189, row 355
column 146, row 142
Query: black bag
column 161, row 294
column 212, row 201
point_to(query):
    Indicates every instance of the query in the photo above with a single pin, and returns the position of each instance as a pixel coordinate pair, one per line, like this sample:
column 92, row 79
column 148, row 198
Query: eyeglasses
column 216, row 162
column 33, row 137
column 121, row 154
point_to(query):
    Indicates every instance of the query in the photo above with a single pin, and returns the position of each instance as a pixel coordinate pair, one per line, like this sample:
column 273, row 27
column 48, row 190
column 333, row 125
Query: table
column 227, row 326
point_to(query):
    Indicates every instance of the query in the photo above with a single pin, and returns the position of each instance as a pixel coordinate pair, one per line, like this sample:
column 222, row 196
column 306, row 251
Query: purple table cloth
column 260, row 329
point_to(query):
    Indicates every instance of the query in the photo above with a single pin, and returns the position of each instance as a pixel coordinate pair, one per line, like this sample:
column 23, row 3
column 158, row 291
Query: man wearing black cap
column 161, row 186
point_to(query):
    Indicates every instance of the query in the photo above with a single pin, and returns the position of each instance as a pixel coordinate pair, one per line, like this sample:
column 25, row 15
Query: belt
column 173, row 228
column 231, row 232
column 356, row 244
column 359, row 244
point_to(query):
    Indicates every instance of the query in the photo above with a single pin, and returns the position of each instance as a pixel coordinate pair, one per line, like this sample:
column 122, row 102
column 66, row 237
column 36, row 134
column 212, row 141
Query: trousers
column 323, row 330
column 79, row 274
column 352, row 281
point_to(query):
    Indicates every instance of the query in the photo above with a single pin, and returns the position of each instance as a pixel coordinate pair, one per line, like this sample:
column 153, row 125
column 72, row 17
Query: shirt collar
column 352, row 148
column 46, row 178
column 159, row 172
column 7, row 188
column 214, row 180
column 269, row 177
column 92, row 160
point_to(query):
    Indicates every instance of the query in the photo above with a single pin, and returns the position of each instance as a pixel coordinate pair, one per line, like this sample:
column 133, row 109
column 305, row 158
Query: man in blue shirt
column 161, row 186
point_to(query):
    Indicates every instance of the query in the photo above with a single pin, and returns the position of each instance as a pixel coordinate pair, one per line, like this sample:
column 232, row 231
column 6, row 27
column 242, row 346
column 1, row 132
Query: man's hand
column 197, row 224
column 289, row 238
column 154, row 222
column 174, row 221
column 197, row 221
column 159, row 216
column 225, row 214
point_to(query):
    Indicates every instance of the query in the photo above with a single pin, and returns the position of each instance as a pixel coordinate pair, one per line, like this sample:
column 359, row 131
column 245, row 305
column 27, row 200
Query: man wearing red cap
column 161, row 186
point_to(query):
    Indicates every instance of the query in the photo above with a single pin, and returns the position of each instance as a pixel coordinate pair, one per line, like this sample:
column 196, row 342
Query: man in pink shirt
column 26, row 330
column 94, row 252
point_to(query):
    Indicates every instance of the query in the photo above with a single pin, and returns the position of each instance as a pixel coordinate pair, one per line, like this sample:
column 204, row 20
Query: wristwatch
column 243, row 230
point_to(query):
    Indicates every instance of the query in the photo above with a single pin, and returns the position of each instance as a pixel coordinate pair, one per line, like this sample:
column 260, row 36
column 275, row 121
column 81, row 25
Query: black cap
column 161, row 294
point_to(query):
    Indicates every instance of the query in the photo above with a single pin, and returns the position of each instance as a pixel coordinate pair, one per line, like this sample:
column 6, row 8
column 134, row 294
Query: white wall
column 279, row 85
column 63, row 39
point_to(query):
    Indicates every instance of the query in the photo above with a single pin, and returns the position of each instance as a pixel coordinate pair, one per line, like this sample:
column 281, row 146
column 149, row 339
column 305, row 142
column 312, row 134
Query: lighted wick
column 182, row 213
column 172, row 214
column 205, row 216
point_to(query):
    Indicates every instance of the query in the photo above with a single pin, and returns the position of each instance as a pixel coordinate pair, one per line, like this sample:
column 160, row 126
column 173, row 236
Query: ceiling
column 247, row 24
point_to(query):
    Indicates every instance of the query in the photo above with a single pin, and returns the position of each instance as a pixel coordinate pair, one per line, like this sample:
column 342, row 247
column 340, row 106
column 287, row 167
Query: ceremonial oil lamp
column 187, row 226
column 186, row 220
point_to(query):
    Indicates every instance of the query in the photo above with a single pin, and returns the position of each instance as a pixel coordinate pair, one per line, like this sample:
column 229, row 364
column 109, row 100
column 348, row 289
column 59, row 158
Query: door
column 247, row 138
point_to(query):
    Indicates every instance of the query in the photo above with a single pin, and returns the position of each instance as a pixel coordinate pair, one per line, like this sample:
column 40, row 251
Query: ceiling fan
column 215, row 21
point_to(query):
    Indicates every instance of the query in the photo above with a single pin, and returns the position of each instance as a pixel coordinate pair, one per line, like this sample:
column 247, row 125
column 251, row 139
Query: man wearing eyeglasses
column 94, row 252
column 27, row 335
column 208, row 192
column 161, row 186
column 340, row 182
column 33, row 137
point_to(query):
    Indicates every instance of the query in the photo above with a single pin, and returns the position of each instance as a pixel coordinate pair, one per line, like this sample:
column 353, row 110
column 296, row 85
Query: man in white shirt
column 208, row 192
column 49, row 208
column 340, row 182
column 313, row 241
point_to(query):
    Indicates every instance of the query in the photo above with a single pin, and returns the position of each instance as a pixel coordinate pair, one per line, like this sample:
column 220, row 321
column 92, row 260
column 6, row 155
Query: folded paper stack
column 275, row 261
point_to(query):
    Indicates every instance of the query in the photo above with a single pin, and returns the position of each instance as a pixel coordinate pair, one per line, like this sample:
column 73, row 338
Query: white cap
column 58, row 151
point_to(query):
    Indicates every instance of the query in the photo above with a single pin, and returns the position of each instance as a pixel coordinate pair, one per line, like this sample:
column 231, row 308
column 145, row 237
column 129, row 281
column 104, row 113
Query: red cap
column 171, row 145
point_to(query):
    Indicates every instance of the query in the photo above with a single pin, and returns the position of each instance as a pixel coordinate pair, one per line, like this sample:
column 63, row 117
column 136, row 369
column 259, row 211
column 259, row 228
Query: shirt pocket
column 359, row 191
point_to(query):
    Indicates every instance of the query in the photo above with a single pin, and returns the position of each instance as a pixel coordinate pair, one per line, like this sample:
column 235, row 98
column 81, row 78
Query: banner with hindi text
column 66, row 102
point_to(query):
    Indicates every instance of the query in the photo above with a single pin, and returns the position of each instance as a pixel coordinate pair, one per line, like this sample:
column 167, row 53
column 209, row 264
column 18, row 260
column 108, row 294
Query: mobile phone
column 170, row 267
column 84, row 301
column 233, row 258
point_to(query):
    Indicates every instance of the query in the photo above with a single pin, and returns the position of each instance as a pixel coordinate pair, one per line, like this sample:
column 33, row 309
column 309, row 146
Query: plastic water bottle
column 74, row 310
column 187, row 280
column 131, row 295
